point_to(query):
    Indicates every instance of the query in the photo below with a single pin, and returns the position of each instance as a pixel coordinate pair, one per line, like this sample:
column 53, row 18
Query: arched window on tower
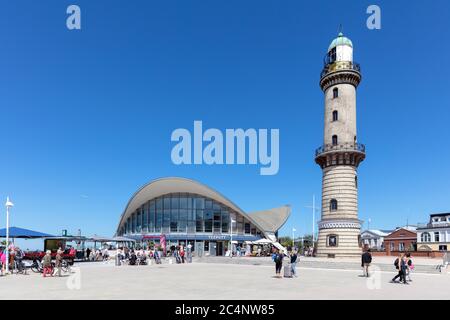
column 335, row 115
column 335, row 93
column 333, row 205
column 334, row 140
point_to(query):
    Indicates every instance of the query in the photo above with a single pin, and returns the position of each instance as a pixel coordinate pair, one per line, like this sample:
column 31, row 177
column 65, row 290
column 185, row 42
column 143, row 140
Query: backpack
column 278, row 258
column 396, row 263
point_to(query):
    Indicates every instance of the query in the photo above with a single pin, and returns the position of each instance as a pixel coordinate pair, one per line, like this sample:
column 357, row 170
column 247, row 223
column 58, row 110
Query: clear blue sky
column 87, row 115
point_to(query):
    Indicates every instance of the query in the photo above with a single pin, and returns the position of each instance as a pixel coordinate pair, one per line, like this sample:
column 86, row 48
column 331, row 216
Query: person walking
column 409, row 267
column 47, row 264
column 189, row 253
column 58, row 262
column 294, row 257
column 400, row 264
column 366, row 260
column 182, row 254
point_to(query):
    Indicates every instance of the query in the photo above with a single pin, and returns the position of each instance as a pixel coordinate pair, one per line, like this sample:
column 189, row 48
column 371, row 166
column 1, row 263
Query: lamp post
column 313, row 207
column 231, row 236
column 8, row 205
column 293, row 241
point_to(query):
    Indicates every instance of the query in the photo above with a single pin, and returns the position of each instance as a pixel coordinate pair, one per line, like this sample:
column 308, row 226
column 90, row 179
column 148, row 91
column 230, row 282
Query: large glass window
column 174, row 220
column 145, row 218
column 183, row 218
column 436, row 237
column 151, row 219
column 208, row 216
column 185, row 213
column 133, row 219
column 138, row 220
column 199, row 203
column 217, row 221
column 199, row 221
column 183, row 201
column 240, row 224
column 225, row 220
column 175, row 201
column 159, row 215
column 166, row 216
column 247, row 228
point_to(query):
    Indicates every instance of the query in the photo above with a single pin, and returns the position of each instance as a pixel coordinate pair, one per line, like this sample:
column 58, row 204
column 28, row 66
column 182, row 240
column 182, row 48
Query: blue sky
column 87, row 115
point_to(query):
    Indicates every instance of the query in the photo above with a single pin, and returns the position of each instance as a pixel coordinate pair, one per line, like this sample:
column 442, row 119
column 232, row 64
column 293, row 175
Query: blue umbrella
column 15, row 232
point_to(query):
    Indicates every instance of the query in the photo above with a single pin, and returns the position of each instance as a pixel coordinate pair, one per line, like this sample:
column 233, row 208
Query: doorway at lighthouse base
column 339, row 239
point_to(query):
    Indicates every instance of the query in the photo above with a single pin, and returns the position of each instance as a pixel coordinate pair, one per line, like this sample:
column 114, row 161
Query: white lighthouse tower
column 340, row 154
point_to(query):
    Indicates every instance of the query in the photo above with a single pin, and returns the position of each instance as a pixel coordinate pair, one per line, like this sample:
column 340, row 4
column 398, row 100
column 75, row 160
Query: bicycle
column 19, row 267
column 65, row 266
column 36, row 266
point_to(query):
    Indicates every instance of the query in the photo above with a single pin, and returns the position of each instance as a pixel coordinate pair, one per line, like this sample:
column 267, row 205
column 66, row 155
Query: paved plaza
column 221, row 281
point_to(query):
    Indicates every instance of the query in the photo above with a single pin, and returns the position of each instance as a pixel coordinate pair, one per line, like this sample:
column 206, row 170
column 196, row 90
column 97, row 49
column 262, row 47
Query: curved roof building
column 185, row 212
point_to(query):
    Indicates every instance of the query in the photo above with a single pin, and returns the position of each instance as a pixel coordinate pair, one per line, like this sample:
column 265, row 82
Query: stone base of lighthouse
column 344, row 242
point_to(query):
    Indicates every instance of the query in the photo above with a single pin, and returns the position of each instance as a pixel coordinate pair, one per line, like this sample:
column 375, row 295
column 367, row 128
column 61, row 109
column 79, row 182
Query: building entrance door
column 212, row 248
column 219, row 248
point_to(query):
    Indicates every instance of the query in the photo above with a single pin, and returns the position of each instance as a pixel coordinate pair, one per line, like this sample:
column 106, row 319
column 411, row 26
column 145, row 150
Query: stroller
column 132, row 259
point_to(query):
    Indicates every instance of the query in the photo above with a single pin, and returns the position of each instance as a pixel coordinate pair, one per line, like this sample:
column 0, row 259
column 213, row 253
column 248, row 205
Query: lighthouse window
column 335, row 93
column 332, row 240
column 334, row 140
column 333, row 205
column 335, row 115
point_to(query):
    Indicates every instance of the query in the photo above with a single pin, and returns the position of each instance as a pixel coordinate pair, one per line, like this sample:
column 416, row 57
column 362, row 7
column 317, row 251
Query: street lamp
column 231, row 236
column 313, row 207
column 8, row 205
column 293, row 241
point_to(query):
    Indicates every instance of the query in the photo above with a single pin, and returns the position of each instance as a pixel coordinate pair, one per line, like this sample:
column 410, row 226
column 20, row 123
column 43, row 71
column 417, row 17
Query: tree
column 285, row 241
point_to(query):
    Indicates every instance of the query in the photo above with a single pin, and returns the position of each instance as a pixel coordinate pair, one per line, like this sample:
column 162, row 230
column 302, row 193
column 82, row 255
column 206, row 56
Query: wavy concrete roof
column 266, row 220
column 273, row 219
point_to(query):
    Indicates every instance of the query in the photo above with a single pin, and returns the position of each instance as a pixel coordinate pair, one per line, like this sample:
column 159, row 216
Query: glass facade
column 186, row 213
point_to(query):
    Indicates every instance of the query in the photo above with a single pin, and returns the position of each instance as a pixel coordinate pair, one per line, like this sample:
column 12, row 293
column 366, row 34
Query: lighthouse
column 340, row 154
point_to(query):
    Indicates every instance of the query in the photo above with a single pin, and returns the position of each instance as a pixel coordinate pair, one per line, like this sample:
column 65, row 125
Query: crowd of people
column 15, row 255
column 141, row 256
column 96, row 254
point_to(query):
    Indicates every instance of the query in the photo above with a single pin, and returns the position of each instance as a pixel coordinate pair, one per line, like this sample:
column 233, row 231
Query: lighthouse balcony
column 340, row 154
column 330, row 67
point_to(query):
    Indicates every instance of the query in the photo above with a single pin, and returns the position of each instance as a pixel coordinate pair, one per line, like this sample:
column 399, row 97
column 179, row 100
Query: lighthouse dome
column 341, row 40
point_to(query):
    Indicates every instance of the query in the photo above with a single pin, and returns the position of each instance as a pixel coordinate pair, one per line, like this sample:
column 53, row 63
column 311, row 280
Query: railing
column 341, row 147
column 340, row 65
column 433, row 225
